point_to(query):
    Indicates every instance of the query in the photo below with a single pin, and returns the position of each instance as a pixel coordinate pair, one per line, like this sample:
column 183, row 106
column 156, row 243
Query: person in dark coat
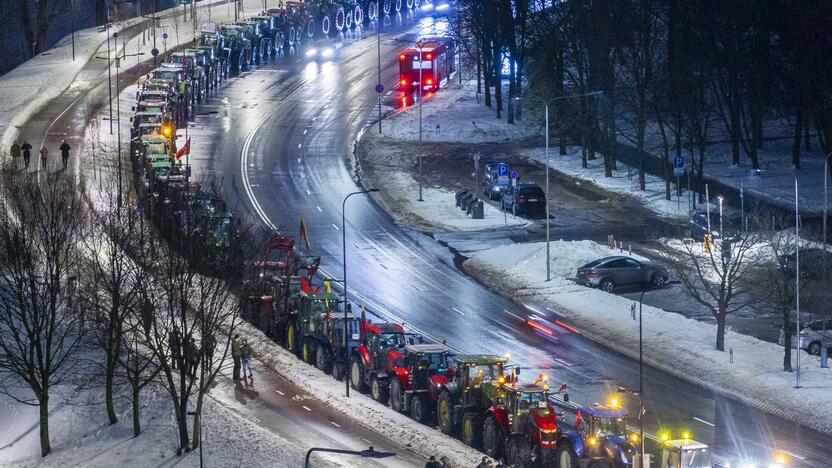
column 245, row 357
column 432, row 463
column 27, row 152
column 209, row 344
column 15, row 154
column 175, row 347
column 64, row 152
column 44, row 155
column 191, row 358
column 236, row 353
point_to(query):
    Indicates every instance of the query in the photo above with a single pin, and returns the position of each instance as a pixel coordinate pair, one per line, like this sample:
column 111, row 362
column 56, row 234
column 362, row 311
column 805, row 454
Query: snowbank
column 755, row 377
column 397, row 427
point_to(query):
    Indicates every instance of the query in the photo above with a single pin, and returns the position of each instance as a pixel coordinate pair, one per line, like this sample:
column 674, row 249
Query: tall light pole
column 72, row 25
column 825, row 204
column 421, row 87
column 641, row 371
column 344, row 253
column 379, row 87
column 109, row 72
column 548, row 260
column 797, row 279
column 721, row 233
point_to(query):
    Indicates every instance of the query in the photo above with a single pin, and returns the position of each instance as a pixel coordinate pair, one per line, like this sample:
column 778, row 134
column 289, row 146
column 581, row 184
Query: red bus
column 436, row 63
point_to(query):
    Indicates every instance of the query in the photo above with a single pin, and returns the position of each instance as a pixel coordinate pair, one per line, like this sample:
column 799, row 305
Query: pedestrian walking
column 501, row 463
column 445, row 462
column 236, row 355
column 44, row 155
column 432, row 463
column 64, row 152
column 191, row 357
column 485, row 463
column 175, row 348
column 209, row 344
column 15, row 154
column 245, row 357
column 27, row 153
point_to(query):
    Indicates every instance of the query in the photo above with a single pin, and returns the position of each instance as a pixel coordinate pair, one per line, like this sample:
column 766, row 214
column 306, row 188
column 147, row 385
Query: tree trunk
column 197, row 432
column 498, row 83
column 798, row 127
column 787, row 330
column 137, row 424
column 720, row 329
column 806, row 139
column 734, row 110
column 45, row 447
column 511, row 91
column 182, row 426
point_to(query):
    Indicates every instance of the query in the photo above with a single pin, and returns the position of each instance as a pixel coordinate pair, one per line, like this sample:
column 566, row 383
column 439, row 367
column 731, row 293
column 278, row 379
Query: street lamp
column 421, row 87
column 369, row 453
column 379, row 87
column 721, row 234
column 641, row 370
column 344, row 253
column 797, row 279
column 825, row 204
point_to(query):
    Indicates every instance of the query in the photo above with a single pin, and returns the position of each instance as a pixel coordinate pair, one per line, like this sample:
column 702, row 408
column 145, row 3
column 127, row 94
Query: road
column 282, row 145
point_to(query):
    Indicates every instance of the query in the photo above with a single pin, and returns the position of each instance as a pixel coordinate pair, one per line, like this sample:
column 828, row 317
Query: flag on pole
column 303, row 233
column 184, row 150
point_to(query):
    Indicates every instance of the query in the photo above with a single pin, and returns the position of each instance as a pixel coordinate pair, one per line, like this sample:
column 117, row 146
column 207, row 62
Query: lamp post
column 421, row 87
column 109, row 73
column 825, row 205
column 379, row 22
column 344, row 253
column 641, row 371
column 721, row 234
column 797, row 279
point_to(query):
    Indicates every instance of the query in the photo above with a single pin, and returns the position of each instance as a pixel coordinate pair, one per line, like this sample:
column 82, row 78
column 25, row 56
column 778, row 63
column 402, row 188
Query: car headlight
column 311, row 52
column 497, row 189
column 327, row 53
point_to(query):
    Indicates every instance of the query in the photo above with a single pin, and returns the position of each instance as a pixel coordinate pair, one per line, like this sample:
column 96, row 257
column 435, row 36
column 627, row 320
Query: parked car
column 526, row 198
column 609, row 273
column 813, row 336
column 811, row 264
column 494, row 184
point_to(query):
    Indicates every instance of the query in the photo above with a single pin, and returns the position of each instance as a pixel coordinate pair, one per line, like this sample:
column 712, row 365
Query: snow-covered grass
column 459, row 117
column 397, row 427
column 755, row 376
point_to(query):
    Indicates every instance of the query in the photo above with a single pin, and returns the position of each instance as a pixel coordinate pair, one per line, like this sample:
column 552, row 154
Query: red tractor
column 417, row 379
column 381, row 345
column 522, row 426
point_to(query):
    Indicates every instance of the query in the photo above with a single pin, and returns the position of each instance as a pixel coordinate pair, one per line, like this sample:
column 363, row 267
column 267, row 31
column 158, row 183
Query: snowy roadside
column 755, row 377
column 30, row 86
column 397, row 427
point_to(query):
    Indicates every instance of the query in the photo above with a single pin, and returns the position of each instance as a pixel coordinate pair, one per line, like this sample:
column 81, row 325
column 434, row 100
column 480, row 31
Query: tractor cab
column 479, row 376
column 529, row 413
column 603, row 434
column 385, row 343
column 427, row 364
column 149, row 144
column 684, row 453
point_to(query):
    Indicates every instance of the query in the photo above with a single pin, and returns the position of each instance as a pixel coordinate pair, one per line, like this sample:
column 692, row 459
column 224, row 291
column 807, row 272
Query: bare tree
column 41, row 328
column 715, row 276
column 36, row 27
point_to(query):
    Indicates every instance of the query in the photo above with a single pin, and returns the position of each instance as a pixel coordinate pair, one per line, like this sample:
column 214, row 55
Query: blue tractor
column 600, row 439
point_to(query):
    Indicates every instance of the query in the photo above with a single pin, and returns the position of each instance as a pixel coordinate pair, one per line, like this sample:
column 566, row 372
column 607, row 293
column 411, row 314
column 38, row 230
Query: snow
column 30, row 86
column 755, row 376
column 437, row 209
column 395, row 426
column 460, row 118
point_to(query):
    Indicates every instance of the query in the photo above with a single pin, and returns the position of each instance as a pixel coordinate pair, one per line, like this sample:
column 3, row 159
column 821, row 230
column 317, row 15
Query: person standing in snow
column 432, row 463
column 485, row 463
column 191, row 358
column 236, row 355
column 245, row 357
column 445, row 462
column 27, row 152
column 44, row 154
column 15, row 154
column 209, row 343
column 175, row 347
column 64, row 152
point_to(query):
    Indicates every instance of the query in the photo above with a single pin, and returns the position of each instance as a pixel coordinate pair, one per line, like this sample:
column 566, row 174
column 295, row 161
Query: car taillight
column 401, row 56
column 430, row 82
column 521, row 200
column 404, row 82
column 591, row 272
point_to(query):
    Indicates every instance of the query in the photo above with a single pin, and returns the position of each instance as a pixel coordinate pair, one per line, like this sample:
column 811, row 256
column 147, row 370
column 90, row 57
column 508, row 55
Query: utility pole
column 72, row 25
column 548, row 253
column 109, row 73
column 379, row 87
column 419, row 45
column 797, row 280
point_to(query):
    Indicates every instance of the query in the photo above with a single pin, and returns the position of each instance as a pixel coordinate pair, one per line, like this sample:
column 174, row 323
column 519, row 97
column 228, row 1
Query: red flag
column 303, row 234
column 184, row 150
column 305, row 286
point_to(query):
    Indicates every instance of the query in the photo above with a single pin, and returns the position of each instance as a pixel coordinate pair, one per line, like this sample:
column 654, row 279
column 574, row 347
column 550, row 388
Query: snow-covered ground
column 31, row 85
column 755, row 376
column 624, row 181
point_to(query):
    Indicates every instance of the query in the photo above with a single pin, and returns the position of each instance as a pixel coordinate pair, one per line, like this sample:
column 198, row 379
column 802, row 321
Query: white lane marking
column 319, row 209
column 533, row 309
column 793, row 455
column 304, row 132
column 337, row 229
column 550, row 310
column 308, row 192
column 278, row 391
column 335, row 424
column 298, row 160
column 704, row 422
column 306, row 408
column 300, row 145
column 315, row 118
column 418, row 288
column 514, row 315
column 365, row 440
column 457, row 311
column 246, row 182
column 562, row 362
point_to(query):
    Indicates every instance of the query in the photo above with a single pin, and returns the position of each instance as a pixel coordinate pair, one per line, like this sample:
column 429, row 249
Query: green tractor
column 464, row 401
column 307, row 323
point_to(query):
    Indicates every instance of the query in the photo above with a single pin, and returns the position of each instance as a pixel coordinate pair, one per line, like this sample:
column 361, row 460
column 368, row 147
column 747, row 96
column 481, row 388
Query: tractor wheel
column 419, row 408
column 445, row 413
column 567, row 457
column 520, row 452
column 398, row 6
column 472, row 429
column 307, row 350
column 492, row 438
column 380, row 390
column 339, row 372
column 292, row 338
column 357, row 375
column 396, row 395
column 322, row 360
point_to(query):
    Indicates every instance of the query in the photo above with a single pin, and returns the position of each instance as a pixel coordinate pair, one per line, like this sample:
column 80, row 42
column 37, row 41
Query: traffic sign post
column 514, row 193
column 678, row 171
column 476, row 171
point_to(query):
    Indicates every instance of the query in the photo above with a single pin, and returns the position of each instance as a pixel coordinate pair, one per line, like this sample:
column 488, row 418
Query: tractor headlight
column 311, row 52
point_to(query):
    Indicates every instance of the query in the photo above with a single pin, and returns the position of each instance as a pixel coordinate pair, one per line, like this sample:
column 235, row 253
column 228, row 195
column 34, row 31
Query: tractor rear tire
column 308, row 349
column 322, row 359
column 292, row 338
column 472, row 429
column 445, row 413
column 380, row 390
column 396, row 395
column 357, row 375
column 520, row 452
column 420, row 408
column 493, row 438
column 566, row 457
column 339, row 371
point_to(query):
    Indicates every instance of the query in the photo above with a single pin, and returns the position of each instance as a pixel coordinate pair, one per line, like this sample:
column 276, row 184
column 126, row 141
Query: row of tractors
column 477, row 398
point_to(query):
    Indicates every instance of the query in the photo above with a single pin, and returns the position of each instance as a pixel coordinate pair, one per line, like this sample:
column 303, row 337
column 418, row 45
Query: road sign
column 678, row 166
column 164, row 35
column 379, row 88
column 502, row 169
column 154, row 52
column 514, row 175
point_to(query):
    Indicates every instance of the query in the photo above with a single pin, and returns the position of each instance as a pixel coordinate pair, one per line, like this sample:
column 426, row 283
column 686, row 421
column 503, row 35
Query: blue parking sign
column 502, row 170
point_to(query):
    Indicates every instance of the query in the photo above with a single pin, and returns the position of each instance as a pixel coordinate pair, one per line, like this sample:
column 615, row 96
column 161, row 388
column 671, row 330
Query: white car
column 813, row 336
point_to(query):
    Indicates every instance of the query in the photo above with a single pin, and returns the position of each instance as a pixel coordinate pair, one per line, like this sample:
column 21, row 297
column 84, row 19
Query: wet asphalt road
column 282, row 143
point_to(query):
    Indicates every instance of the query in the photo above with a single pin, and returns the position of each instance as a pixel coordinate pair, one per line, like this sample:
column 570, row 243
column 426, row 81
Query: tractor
column 239, row 49
column 600, row 439
column 315, row 308
column 211, row 40
column 416, row 379
column 521, row 425
column 382, row 344
column 464, row 401
column 332, row 348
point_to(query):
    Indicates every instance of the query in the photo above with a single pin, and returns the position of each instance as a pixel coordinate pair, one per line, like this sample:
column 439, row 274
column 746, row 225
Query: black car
column 525, row 198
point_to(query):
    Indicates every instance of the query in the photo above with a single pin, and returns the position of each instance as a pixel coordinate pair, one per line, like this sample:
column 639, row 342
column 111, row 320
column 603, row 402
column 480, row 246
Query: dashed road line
column 457, row 311
column 514, row 315
column 319, row 209
column 336, row 227
column 278, row 391
column 335, row 424
column 704, row 422
column 306, row 408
